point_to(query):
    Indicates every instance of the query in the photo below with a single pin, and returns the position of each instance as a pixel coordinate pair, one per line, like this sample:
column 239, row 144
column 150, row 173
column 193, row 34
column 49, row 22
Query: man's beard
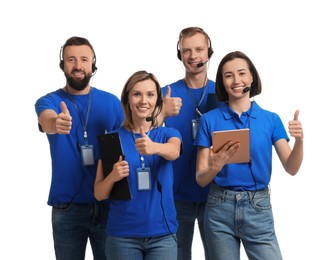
column 78, row 84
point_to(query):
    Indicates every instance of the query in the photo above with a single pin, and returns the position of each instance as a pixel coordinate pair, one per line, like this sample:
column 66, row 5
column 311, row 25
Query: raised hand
column 295, row 127
column 171, row 105
column 63, row 121
column 144, row 144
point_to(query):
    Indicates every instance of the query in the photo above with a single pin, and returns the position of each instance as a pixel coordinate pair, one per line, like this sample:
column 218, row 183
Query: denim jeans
column 234, row 217
column 187, row 213
column 135, row 248
column 73, row 224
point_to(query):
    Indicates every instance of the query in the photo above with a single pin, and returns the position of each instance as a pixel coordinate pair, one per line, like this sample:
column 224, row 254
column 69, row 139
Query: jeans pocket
column 61, row 206
column 260, row 203
column 213, row 201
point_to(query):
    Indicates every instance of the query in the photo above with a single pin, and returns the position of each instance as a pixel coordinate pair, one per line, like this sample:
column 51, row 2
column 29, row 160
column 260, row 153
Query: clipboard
column 110, row 150
column 220, row 138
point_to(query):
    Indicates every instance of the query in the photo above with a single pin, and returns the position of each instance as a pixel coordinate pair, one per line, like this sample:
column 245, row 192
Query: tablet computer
column 220, row 138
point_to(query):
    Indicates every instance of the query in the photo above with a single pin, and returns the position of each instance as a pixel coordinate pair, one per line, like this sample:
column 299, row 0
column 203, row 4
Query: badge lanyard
column 143, row 173
column 86, row 150
column 199, row 114
column 195, row 122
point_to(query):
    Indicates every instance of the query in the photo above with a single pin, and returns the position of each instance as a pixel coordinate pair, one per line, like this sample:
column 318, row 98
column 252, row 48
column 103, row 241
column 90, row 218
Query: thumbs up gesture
column 144, row 144
column 171, row 105
column 63, row 121
column 295, row 127
column 64, row 108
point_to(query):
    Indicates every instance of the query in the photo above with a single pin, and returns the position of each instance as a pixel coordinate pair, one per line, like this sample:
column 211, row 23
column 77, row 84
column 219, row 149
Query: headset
column 61, row 64
column 210, row 50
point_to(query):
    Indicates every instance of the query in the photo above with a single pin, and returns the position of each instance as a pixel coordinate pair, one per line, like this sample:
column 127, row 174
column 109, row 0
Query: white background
column 292, row 44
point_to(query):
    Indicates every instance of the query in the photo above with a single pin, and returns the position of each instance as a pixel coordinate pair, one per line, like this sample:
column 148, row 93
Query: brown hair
column 132, row 80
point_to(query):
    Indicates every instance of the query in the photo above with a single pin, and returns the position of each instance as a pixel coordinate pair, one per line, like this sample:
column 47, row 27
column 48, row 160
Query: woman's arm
column 104, row 185
column 291, row 159
column 208, row 163
column 169, row 151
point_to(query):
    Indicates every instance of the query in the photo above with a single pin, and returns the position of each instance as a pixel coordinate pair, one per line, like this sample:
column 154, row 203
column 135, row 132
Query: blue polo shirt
column 266, row 128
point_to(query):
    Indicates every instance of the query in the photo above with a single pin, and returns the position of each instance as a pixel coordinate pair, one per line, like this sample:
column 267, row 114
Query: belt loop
column 251, row 195
column 224, row 193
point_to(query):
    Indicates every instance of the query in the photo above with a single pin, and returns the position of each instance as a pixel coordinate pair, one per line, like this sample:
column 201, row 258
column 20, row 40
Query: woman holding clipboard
column 144, row 226
column 238, row 207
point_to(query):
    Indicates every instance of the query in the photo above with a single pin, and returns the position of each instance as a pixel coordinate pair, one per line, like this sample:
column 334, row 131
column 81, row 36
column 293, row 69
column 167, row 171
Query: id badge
column 87, row 155
column 144, row 178
column 194, row 127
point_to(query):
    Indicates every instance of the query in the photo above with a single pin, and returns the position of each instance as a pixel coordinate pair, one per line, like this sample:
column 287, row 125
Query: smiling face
column 194, row 50
column 236, row 76
column 142, row 99
column 78, row 66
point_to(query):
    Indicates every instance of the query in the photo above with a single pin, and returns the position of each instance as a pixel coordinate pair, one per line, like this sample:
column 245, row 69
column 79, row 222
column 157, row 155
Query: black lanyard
column 193, row 100
column 79, row 114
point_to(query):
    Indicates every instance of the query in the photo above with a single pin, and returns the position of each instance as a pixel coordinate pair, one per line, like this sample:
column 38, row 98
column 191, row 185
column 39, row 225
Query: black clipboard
column 219, row 138
column 110, row 150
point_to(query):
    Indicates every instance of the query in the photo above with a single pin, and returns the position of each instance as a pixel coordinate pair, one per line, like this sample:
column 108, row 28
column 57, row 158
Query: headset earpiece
column 210, row 50
column 159, row 101
column 178, row 52
column 61, row 64
column 94, row 68
column 124, row 99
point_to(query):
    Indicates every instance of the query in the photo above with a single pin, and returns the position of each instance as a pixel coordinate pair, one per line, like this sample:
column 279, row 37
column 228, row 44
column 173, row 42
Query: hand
column 219, row 159
column 63, row 121
column 120, row 170
column 295, row 127
column 171, row 105
column 144, row 144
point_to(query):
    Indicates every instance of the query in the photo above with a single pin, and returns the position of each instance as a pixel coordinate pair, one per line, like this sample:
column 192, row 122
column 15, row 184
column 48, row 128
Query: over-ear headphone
column 61, row 64
column 210, row 50
column 159, row 101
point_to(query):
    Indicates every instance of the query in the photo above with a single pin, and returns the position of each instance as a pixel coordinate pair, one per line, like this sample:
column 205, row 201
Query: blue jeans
column 135, row 248
column 187, row 213
column 234, row 217
column 73, row 224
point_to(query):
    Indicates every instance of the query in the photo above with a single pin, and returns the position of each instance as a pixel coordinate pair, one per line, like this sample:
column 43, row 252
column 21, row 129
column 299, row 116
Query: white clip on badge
column 87, row 155
column 194, row 127
column 144, row 179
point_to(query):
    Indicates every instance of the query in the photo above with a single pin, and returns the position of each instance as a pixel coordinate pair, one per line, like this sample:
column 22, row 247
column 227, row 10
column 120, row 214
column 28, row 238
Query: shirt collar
column 228, row 113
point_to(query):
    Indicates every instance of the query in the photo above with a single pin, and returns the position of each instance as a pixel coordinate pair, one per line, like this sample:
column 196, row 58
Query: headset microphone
column 148, row 119
column 246, row 89
column 201, row 64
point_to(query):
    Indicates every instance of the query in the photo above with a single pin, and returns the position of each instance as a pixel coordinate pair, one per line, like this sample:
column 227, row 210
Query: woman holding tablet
column 238, row 207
